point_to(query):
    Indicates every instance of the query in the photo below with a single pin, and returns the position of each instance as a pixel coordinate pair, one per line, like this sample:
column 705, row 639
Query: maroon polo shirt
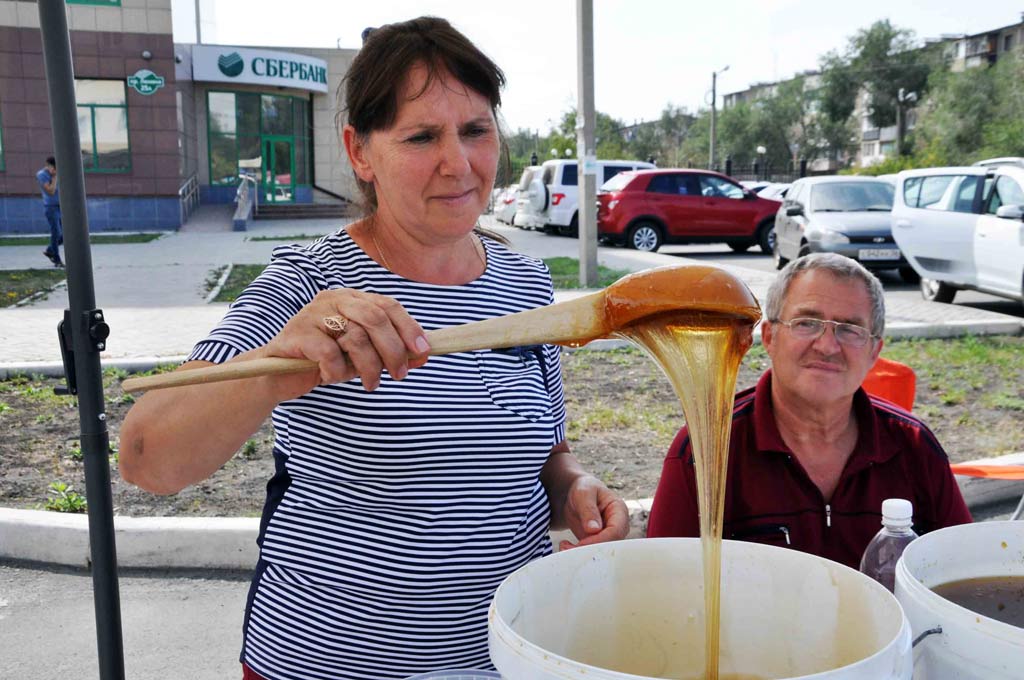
column 770, row 498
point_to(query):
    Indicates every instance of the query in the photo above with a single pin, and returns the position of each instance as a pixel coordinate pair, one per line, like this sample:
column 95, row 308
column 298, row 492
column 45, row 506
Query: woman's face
column 433, row 169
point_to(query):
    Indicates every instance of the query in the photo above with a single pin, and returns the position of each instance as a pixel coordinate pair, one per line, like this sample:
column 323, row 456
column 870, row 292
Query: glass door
column 278, row 170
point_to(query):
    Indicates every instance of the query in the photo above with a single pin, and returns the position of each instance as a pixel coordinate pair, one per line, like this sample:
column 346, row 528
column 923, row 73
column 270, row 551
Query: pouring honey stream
column 699, row 347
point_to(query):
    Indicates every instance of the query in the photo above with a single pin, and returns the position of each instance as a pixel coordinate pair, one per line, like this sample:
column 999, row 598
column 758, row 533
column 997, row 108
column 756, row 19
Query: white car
column 775, row 191
column 550, row 200
column 505, row 203
column 1006, row 160
column 963, row 228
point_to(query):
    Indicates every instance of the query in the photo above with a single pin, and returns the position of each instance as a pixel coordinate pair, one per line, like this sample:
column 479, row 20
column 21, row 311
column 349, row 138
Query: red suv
column 647, row 208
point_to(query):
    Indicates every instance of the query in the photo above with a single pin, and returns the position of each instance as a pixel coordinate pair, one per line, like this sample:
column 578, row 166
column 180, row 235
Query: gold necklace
column 478, row 248
column 380, row 251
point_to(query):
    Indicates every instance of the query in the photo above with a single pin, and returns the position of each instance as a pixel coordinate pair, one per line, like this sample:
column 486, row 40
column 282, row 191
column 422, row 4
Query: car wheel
column 937, row 291
column 766, row 237
column 571, row 230
column 780, row 261
column 644, row 236
column 739, row 246
column 909, row 275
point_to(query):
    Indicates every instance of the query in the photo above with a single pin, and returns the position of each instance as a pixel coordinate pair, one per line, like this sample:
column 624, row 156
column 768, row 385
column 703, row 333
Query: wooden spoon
column 697, row 288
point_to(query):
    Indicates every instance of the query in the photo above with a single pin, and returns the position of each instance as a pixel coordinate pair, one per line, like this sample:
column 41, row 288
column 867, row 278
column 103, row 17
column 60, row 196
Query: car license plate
column 879, row 254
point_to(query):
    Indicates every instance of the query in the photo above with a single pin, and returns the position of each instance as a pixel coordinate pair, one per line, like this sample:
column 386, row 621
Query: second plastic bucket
column 634, row 610
column 970, row 646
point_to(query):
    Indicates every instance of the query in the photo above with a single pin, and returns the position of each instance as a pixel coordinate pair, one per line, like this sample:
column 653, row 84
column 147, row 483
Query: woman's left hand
column 593, row 513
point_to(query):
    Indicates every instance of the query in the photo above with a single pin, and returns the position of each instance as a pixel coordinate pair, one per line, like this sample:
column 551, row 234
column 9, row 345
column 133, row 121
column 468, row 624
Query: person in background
column 405, row 490
column 47, row 178
column 811, row 455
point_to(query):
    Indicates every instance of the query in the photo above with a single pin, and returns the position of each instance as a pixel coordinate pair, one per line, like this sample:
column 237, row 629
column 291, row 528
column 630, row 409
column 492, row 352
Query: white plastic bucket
column 635, row 609
column 970, row 646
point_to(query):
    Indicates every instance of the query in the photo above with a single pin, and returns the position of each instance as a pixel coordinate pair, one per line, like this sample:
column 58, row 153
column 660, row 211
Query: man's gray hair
column 839, row 266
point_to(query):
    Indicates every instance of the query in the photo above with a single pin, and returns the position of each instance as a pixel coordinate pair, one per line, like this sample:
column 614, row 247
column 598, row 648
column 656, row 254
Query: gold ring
column 336, row 326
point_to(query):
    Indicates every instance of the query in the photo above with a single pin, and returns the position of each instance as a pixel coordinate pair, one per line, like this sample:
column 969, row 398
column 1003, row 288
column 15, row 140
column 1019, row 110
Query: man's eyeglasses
column 849, row 334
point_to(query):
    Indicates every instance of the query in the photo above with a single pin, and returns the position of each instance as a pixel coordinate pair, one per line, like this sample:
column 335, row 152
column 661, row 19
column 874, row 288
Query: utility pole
column 199, row 30
column 585, row 152
column 714, row 95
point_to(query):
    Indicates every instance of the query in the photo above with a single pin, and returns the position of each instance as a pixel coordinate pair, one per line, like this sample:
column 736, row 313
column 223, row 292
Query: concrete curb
column 230, row 542
column 168, row 542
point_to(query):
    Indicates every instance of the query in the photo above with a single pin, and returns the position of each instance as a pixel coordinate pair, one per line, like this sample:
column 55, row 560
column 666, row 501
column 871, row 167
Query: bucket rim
column 498, row 627
column 907, row 580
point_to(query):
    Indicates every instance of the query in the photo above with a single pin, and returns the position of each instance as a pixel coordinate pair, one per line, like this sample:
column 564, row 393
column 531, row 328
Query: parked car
column 1007, row 160
column 755, row 185
column 961, row 228
column 647, row 208
column 776, row 191
column 529, row 194
column 505, row 203
column 552, row 199
column 840, row 214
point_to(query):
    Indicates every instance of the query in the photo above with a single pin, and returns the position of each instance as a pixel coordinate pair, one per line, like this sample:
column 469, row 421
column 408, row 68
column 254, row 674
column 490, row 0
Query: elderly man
column 811, row 455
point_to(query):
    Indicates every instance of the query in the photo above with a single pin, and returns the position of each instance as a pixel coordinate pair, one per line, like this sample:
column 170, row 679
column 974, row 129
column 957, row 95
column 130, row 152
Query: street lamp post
column 903, row 100
column 714, row 95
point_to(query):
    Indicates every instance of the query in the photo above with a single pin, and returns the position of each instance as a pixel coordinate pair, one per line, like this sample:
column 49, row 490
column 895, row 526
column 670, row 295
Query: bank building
column 166, row 127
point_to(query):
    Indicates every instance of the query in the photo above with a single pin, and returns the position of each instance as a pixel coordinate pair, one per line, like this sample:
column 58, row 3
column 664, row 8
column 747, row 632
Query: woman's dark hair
column 374, row 82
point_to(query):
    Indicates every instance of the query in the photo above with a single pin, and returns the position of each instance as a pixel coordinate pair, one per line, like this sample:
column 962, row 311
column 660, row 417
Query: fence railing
column 765, row 172
column 188, row 198
column 243, row 189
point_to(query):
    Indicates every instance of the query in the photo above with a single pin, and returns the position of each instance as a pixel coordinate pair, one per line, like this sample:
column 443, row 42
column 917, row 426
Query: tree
column 972, row 115
column 885, row 59
column 879, row 61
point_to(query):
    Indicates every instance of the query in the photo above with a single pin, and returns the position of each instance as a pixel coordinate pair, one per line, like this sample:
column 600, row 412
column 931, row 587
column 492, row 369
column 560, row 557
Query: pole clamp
column 96, row 332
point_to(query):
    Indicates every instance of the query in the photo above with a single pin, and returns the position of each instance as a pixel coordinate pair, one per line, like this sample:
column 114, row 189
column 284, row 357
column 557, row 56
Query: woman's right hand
column 379, row 335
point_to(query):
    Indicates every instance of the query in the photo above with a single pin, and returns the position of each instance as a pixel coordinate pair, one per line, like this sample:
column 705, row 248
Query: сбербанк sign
column 226, row 64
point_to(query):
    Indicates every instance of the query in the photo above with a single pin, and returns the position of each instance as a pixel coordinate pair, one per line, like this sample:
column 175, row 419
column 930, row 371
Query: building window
column 103, row 125
column 888, row 148
column 1008, row 42
column 867, row 149
column 239, row 126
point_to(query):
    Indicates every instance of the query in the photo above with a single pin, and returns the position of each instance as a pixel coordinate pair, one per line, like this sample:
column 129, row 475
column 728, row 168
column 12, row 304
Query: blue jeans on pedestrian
column 56, row 229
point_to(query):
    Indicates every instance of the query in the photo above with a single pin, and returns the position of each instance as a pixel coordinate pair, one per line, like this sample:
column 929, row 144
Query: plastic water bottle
column 884, row 550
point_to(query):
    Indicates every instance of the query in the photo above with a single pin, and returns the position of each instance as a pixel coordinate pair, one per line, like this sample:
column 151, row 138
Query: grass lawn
column 95, row 239
column 241, row 276
column 18, row 284
column 565, row 273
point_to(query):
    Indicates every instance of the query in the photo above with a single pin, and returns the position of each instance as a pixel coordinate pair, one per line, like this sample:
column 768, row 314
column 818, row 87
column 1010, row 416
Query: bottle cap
column 897, row 511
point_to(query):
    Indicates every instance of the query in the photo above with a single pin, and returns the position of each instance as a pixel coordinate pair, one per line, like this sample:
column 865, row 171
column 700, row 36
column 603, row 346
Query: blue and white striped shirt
column 395, row 514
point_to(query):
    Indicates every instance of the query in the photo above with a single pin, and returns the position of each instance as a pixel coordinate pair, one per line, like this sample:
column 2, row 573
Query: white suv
column 962, row 228
column 550, row 199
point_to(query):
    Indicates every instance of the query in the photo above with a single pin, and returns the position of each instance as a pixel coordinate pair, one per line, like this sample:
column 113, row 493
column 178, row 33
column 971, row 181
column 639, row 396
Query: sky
column 647, row 53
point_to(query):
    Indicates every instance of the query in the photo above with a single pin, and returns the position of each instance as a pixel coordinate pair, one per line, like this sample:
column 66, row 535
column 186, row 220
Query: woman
column 405, row 491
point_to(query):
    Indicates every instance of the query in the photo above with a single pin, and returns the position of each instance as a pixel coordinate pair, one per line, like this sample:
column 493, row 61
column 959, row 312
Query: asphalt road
column 175, row 624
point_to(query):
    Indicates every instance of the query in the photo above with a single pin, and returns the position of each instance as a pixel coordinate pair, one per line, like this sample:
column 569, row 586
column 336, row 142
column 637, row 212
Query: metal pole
column 585, row 152
column 87, row 332
column 199, row 30
column 711, row 151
